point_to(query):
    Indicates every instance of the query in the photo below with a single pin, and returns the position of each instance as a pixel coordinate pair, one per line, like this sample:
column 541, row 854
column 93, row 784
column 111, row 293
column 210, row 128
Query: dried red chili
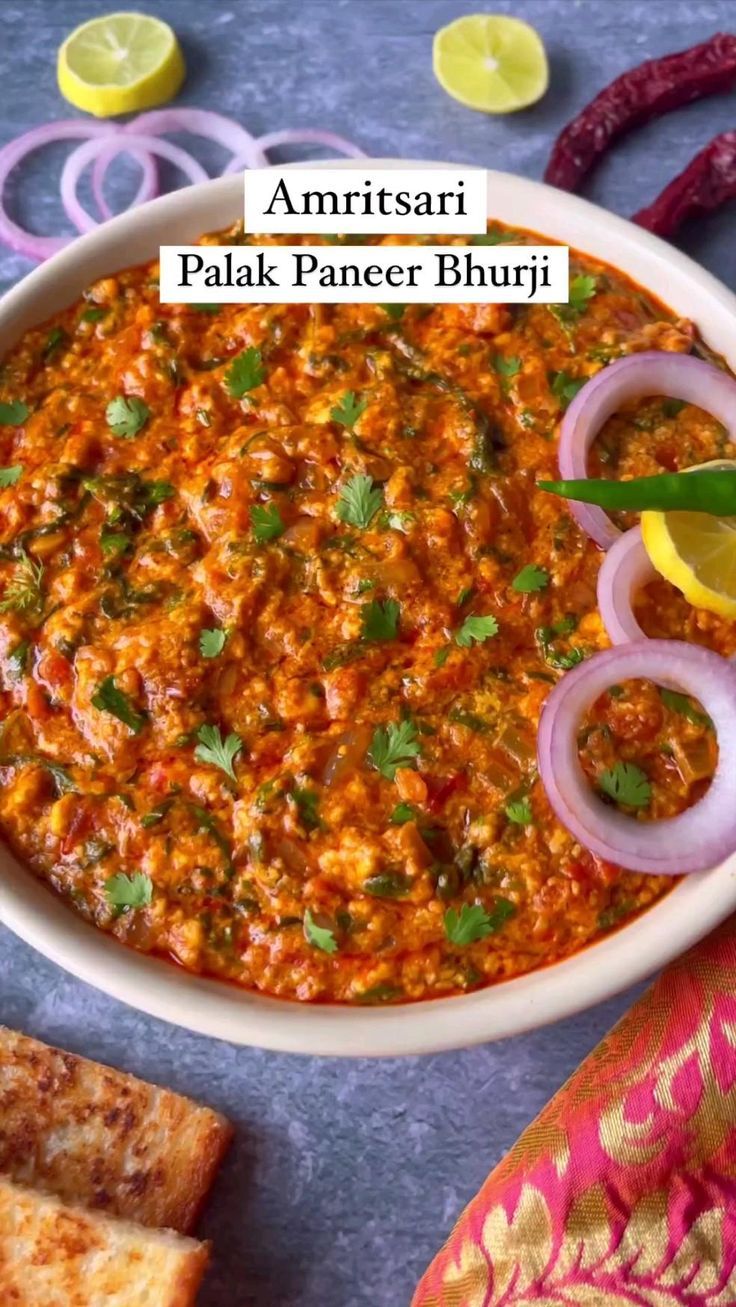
column 651, row 89
column 706, row 183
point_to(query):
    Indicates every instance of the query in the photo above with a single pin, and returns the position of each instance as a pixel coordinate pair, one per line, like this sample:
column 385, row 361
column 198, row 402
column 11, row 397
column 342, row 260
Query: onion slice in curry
column 626, row 569
column 655, row 372
column 695, row 840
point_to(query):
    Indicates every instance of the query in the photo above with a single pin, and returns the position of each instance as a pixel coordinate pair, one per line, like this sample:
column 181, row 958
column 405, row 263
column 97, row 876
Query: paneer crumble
column 280, row 605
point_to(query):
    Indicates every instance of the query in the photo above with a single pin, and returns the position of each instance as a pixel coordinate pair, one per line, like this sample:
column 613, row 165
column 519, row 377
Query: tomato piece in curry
column 279, row 608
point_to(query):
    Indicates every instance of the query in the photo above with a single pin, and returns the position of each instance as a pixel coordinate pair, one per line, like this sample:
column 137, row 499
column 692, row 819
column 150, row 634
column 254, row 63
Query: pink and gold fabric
column 623, row 1191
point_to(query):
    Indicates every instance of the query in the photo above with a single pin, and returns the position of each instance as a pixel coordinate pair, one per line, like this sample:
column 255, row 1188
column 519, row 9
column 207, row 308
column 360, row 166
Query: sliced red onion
column 296, row 136
column 147, row 189
column 697, row 839
column 26, row 242
column 678, row 376
column 77, row 162
column 626, row 569
column 199, row 122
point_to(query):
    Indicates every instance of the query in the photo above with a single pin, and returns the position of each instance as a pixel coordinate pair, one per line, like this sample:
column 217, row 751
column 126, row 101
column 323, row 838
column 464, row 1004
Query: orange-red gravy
column 337, row 529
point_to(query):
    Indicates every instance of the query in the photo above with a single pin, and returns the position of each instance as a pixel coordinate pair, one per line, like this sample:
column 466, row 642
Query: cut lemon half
column 491, row 62
column 696, row 552
column 121, row 63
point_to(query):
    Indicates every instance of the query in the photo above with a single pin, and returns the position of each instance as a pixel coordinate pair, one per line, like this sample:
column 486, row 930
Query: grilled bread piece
column 52, row 1255
column 99, row 1138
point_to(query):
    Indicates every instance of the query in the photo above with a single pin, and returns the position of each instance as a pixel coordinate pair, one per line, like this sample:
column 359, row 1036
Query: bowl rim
column 225, row 1011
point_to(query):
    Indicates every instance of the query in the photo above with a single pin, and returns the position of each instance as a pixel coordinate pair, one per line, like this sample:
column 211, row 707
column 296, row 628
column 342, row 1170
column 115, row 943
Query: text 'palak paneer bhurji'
column 280, row 604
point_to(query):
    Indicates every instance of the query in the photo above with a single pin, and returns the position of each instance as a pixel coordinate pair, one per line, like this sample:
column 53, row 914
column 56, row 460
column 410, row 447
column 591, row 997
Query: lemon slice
column 121, row 63
column 696, row 552
column 491, row 62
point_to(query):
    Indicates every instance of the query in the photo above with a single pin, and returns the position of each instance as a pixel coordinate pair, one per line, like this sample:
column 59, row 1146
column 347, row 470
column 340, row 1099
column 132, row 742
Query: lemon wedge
column 121, row 63
column 696, row 552
column 491, row 62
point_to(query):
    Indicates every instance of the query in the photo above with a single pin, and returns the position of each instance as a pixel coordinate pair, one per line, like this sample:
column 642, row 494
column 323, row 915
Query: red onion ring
column 77, row 162
column 678, row 376
column 199, row 122
column 248, row 152
column 147, row 189
column 626, row 569
column 297, row 136
column 16, row 237
column 697, row 839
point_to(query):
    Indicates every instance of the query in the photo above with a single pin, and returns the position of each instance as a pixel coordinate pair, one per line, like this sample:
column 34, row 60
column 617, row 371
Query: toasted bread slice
column 52, row 1255
column 99, row 1138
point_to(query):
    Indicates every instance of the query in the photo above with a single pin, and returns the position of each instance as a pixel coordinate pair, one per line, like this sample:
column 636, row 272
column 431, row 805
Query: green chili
column 709, row 491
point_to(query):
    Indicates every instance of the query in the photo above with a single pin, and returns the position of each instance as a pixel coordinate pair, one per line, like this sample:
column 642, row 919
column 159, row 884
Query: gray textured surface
column 345, row 1177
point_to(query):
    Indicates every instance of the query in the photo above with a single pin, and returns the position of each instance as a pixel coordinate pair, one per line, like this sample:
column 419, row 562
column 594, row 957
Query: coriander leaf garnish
column 126, row 415
column 519, row 811
column 127, row 893
column 530, row 579
column 319, row 936
column 348, row 410
column 565, row 387
column 680, row 704
column 393, row 311
column 380, row 621
column 473, row 922
column 494, row 238
column 206, row 308
column 212, row 642
column 14, row 413
column 402, row 813
column 245, row 372
column 359, row 501
column 441, row 656
column 507, row 367
column 476, row 628
column 582, row 290
column 267, row 522
column 307, row 802
column 113, row 542
column 108, row 698
column 23, row 593
column 216, row 751
column 546, row 635
column 392, row 747
column 627, row 784
column 93, row 314
column 9, row 475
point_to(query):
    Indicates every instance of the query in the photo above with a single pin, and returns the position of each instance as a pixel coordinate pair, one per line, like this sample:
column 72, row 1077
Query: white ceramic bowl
column 696, row 905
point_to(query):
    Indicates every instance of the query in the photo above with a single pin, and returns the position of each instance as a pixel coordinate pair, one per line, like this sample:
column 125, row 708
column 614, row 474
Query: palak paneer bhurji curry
column 280, row 606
